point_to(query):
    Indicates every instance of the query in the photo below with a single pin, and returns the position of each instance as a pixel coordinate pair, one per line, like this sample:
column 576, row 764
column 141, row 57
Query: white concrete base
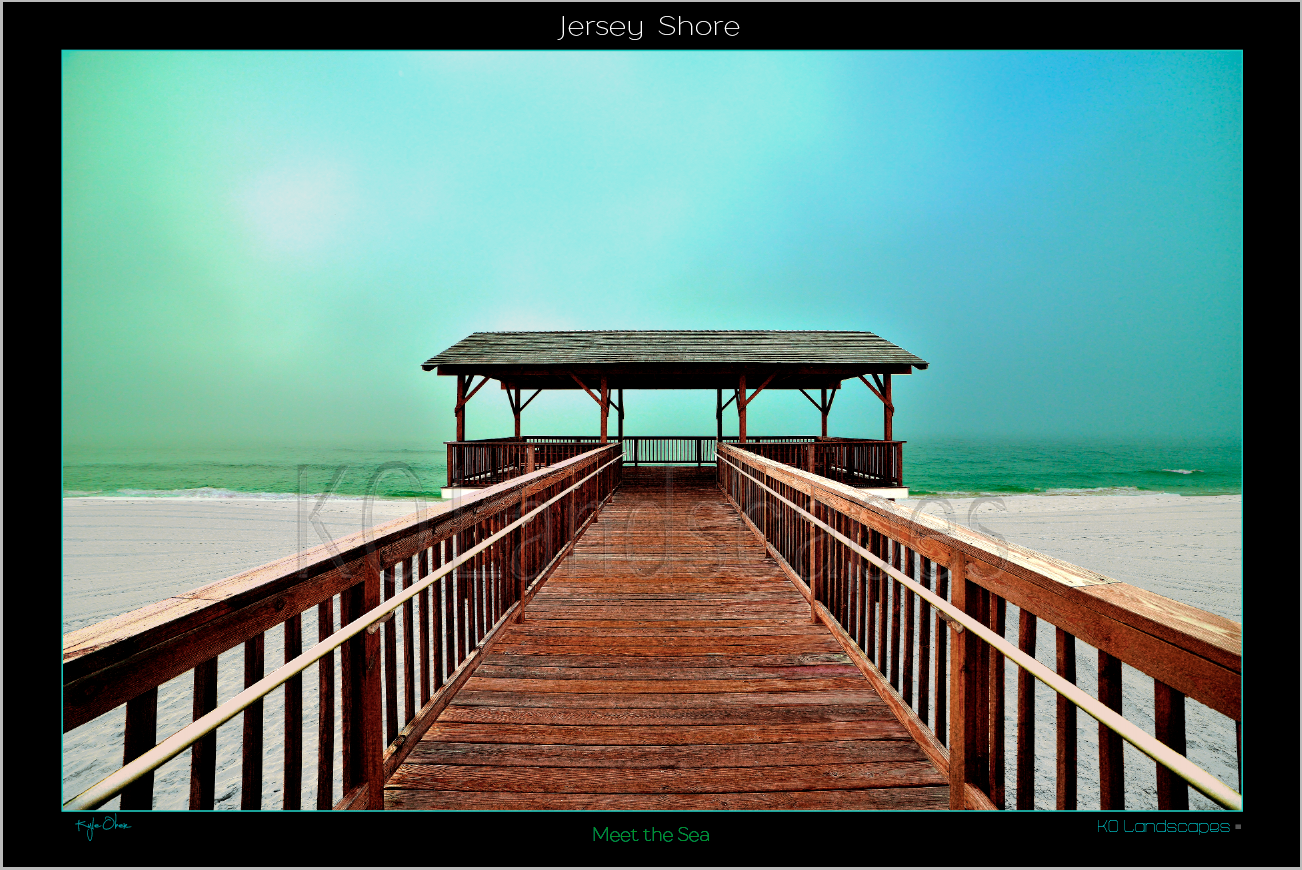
column 458, row 491
column 891, row 492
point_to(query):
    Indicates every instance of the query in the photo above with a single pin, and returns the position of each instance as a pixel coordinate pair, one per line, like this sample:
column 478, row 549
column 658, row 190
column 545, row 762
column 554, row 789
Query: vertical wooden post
column 813, row 563
column 293, row 717
column 741, row 411
column 251, row 770
column 1026, row 628
column 140, row 737
column 1112, row 789
column 1172, row 791
column 373, row 750
column 516, row 408
column 621, row 414
column 997, row 614
column 461, row 407
column 888, row 409
column 1066, row 724
column 823, row 407
column 605, row 407
column 966, row 661
column 325, row 757
column 203, row 757
column 718, row 412
column 529, row 459
column 809, row 458
column 942, row 655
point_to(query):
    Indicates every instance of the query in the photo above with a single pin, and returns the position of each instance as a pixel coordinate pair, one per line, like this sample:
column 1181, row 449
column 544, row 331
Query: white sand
column 1186, row 548
column 120, row 554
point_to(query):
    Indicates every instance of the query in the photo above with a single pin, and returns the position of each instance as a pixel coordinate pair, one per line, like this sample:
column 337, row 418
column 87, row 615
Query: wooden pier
column 667, row 664
column 750, row 629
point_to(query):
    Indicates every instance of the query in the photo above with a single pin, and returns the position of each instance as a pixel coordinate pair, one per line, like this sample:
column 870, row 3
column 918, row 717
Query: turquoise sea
column 931, row 466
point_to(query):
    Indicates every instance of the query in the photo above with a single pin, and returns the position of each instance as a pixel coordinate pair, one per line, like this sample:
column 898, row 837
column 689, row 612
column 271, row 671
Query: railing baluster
column 461, row 582
column 942, row 657
column 203, row 755
column 140, row 736
column 1026, row 629
column 879, row 602
column 293, row 716
column 251, row 770
column 924, row 643
column 422, row 571
column 325, row 751
column 997, row 614
column 1168, row 709
column 907, row 676
column 896, row 589
column 390, row 662
column 1112, row 789
column 1066, row 724
column 408, row 645
column 441, row 594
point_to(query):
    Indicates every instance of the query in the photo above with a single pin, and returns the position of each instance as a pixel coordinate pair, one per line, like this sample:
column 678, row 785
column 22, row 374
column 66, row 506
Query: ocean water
column 1071, row 466
column 273, row 473
column 931, row 467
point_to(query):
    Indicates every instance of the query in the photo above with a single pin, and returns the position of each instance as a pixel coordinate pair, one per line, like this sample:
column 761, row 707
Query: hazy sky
column 262, row 248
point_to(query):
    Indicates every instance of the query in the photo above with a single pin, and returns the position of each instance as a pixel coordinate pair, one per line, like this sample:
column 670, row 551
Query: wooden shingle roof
column 658, row 359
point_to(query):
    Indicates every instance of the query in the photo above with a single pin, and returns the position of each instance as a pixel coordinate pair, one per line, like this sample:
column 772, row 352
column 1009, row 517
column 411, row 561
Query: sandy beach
column 120, row 554
column 1186, row 548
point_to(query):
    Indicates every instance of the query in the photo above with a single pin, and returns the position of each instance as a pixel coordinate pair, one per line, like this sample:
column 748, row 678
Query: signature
column 110, row 823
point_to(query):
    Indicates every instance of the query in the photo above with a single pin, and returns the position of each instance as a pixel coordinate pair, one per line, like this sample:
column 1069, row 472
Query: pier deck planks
column 667, row 664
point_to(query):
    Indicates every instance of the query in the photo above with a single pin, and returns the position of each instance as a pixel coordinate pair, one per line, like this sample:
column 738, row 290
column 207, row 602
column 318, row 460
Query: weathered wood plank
column 687, row 659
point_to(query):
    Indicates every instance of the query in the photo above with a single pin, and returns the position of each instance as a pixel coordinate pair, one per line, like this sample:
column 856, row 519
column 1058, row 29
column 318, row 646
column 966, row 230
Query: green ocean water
column 931, row 466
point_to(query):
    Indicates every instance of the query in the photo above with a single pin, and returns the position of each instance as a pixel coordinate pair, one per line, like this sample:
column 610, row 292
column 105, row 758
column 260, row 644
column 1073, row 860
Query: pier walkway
column 667, row 663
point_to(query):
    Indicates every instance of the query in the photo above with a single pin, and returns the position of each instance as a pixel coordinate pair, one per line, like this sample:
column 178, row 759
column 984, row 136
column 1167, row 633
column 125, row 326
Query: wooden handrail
column 109, row 663
column 1188, row 651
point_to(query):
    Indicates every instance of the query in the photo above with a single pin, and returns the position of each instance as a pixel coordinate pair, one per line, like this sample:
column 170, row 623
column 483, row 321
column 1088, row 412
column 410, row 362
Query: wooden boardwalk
column 666, row 664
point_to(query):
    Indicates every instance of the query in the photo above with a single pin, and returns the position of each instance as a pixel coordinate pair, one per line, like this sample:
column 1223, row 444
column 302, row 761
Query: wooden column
column 1112, row 790
column 621, row 415
column 1026, row 628
column 140, row 736
column 516, row 408
column 966, row 710
column 741, row 411
column 1168, row 715
column 461, row 407
column 718, row 411
column 1066, row 724
column 203, row 756
column 823, row 408
column 888, row 410
column 605, row 407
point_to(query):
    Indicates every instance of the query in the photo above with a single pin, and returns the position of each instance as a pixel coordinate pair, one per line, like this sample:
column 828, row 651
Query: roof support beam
column 585, row 388
column 462, row 401
column 876, row 392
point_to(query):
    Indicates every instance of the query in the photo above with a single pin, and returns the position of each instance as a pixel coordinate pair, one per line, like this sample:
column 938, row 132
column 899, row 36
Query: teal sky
column 261, row 248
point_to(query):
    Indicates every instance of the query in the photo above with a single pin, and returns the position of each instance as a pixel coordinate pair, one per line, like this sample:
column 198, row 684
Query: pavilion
column 605, row 363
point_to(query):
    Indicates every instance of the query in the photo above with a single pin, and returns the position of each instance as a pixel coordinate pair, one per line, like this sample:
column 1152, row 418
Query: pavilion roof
column 669, row 359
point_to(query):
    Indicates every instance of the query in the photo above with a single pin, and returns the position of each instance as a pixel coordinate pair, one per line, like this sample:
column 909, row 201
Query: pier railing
column 854, row 462
column 857, row 462
column 886, row 581
column 466, row 568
